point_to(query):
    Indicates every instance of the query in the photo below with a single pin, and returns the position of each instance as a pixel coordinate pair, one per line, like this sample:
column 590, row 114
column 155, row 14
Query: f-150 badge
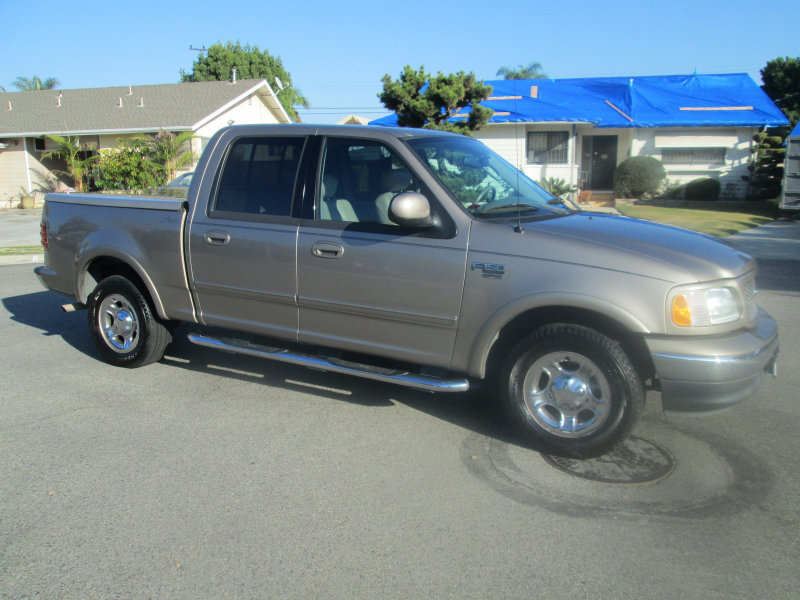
column 490, row 270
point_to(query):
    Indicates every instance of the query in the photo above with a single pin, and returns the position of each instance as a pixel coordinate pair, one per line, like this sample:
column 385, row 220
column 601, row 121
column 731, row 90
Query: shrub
column 129, row 166
column 671, row 189
column 703, row 189
column 556, row 186
column 638, row 177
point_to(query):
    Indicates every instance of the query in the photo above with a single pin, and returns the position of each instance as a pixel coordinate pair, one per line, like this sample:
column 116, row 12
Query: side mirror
column 410, row 209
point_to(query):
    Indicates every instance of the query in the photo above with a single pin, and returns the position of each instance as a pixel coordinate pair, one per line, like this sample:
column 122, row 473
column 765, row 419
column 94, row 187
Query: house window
column 38, row 144
column 547, row 147
column 693, row 156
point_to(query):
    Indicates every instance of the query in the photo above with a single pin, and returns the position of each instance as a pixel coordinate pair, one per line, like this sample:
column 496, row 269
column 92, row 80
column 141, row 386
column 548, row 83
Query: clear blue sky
column 337, row 52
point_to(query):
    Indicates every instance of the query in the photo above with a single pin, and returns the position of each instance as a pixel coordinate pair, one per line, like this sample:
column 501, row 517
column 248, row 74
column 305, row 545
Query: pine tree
column 422, row 100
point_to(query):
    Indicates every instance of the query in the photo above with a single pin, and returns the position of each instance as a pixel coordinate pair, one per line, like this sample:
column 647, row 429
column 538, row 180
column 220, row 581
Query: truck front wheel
column 123, row 325
column 572, row 388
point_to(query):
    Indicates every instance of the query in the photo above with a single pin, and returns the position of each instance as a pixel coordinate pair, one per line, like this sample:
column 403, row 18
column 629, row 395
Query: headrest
column 329, row 185
column 395, row 180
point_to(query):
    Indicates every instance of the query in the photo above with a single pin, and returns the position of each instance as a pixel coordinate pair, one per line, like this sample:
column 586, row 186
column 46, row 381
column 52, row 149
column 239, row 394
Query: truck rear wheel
column 572, row 389
column 124, row 327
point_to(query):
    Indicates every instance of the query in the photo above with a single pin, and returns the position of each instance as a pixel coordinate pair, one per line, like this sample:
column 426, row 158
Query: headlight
column 699, row 308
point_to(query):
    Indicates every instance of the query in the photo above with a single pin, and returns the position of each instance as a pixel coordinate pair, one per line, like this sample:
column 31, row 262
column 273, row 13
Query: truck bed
column 87, row 231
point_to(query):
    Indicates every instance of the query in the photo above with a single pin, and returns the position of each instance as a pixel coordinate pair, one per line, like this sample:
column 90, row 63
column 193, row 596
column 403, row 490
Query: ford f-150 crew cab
column 420, row 258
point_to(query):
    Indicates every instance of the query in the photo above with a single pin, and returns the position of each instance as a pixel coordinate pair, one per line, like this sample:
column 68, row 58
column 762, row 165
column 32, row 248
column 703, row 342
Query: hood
column 630, row 245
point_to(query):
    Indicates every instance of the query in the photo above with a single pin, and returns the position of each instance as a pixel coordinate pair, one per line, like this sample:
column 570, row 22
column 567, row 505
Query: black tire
column 572, row 389
column 124, row 327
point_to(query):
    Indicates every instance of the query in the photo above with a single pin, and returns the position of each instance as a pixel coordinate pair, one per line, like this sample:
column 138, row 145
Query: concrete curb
column 22, row 259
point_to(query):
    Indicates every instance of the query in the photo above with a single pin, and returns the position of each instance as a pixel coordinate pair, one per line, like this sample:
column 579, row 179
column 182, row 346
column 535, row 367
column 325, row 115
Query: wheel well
column 632, row 343
column 103, row 267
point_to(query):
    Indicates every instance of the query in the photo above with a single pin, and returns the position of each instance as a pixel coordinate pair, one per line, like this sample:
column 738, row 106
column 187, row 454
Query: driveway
column 209, row 475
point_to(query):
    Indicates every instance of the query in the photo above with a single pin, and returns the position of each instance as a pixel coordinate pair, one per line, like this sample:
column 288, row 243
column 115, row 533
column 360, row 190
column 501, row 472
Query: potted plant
column 26, row 199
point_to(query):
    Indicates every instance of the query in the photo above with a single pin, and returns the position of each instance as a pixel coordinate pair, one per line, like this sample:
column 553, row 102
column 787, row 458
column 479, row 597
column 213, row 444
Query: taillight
column 43, row 235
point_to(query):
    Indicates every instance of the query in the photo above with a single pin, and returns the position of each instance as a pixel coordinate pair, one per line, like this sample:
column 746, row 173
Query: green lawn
column 14, row 250
column 718, row 222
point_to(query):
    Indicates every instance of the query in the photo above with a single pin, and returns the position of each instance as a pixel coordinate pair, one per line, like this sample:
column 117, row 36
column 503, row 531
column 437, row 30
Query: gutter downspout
column 27, row 164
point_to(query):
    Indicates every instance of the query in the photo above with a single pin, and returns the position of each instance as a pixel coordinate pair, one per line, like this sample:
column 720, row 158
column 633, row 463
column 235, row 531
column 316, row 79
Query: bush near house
column 638, row 177
column 129, row 166
column 704, row 188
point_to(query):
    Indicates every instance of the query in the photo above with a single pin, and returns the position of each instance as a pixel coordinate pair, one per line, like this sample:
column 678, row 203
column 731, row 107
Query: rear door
column 243, row 242
column 368, row 285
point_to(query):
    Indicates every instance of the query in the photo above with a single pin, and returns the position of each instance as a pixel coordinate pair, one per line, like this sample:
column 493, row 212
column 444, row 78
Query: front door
column 602, row 161
column 365, row 284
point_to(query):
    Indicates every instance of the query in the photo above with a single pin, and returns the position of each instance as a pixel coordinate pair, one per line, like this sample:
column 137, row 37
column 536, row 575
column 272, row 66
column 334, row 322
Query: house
column 580, row 130
column 101, row 115
column 790, row 198
column 353, row 120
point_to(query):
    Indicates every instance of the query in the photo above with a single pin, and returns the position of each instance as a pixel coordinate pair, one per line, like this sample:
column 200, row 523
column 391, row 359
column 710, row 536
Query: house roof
column 175, row 107
column 653, row 101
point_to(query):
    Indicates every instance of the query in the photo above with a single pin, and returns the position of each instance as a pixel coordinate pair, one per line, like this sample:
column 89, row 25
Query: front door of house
column 602, row 161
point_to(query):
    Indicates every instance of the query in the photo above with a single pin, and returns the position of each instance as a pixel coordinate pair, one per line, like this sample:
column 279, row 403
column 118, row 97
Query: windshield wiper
column 508, row 207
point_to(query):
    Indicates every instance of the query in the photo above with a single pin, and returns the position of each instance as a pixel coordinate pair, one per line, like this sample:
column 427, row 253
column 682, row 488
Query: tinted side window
column 259, row 176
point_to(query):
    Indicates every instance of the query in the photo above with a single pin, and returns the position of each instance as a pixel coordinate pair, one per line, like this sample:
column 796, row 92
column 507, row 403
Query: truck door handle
column 327, row 250
column 216, row 238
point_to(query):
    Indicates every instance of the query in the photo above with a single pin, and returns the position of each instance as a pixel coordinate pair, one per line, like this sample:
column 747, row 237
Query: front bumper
column 711, row 373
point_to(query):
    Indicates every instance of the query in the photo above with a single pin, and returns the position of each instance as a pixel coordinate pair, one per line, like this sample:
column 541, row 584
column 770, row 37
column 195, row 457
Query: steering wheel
column 488, row 195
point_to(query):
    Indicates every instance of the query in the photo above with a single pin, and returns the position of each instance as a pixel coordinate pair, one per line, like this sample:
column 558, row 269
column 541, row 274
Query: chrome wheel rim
column 567, row 394
column 118, row 323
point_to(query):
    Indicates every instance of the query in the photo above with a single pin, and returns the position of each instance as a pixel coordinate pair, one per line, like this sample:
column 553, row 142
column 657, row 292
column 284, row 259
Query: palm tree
column 70, row 152
column 290, row 96
column 173, row 151
column 23, row 84
column 532, row 70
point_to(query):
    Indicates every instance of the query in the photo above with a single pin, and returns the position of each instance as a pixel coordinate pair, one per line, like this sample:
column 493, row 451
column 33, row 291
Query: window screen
column 259, row 176
column 693, row 156
column 547, row 147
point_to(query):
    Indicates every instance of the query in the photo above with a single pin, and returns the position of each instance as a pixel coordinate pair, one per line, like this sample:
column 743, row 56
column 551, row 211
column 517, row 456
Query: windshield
column 484, row 183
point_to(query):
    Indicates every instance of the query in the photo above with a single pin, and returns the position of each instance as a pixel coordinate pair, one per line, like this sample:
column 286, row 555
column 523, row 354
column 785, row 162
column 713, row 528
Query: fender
column 490, row 330
column 85, row 258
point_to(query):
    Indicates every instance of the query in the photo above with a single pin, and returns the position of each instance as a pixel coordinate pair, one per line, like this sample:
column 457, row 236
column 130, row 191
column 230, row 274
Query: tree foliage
column 250, row 63
column 72, row 152
column 132, row 165
column 781, row 78
column 172, row 151
column 422, row 100
column 23, row 84
column 533, row 70
column 765, row 166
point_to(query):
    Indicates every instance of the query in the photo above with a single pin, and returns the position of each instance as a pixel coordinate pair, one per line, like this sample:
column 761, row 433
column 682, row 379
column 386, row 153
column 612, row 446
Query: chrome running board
column 412, row 380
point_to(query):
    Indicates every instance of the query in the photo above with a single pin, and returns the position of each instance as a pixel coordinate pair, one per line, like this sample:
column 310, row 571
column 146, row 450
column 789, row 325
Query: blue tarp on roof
column 672, row 101
column 795, row 131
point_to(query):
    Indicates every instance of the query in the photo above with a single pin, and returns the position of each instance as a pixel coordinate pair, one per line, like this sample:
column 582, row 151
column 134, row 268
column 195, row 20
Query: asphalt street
column 209, row 475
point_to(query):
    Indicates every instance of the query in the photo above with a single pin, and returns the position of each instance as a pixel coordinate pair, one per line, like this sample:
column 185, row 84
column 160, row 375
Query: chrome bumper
column 707, row 374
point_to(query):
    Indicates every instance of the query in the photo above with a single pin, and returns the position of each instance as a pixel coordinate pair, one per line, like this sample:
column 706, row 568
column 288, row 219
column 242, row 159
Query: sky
column 338, row 52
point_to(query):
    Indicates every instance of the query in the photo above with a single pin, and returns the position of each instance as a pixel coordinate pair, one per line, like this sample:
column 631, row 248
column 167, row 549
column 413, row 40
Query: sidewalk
column 20, row 228
column 779, row 240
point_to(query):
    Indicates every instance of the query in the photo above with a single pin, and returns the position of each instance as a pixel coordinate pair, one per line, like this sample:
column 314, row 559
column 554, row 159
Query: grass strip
column 16, row 250
column 719, row 223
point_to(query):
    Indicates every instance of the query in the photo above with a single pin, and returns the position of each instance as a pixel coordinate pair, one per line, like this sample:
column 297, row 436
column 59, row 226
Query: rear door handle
column 216, row 238
column 327, row 250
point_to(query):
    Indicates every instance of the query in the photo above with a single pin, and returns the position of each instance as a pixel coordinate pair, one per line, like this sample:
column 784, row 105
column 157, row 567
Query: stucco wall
column 737, row 156
column 511, row 142
column 14, row 172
